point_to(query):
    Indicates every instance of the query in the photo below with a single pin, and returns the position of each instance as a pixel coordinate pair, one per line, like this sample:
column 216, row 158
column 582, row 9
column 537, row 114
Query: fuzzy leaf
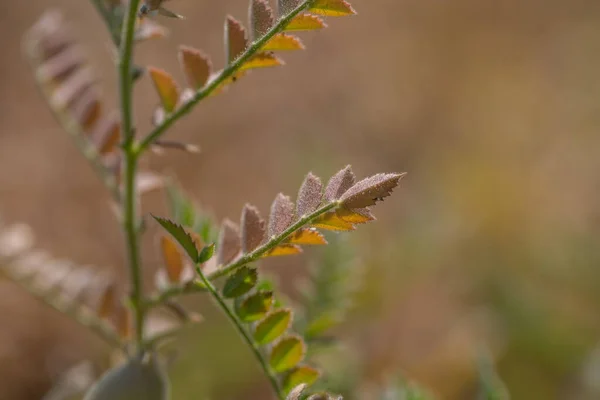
column 273, row 326
column 166, row 88
column 300, row 375
column 307, row 236
column 283, row 250
column 240, row 283
column 331, row 221
column 61, row 65
column 287, row 353
column 73, row 87
column 339, row 184
column 124, row 322
column 332, row 8
column 261, row 18
column 253, row 229
column 183, row 238
column 148, row 29
column 87, row 109
column 296, row 392
column 206, row 253
column 282, row 215
column 305, row 22
column 229, row 243
column 235, row 39
column 107, row 302
column 281, row 42
column 287, row 6
column 356, row 215
column 255, row 307
column 196, row 66
column 107, row 134
column 370, row 190
column 262, row 60
column 172, row 259
column 309, row 196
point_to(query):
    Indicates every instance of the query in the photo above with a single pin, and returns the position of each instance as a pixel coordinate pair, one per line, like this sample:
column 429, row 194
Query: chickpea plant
column 198, row 258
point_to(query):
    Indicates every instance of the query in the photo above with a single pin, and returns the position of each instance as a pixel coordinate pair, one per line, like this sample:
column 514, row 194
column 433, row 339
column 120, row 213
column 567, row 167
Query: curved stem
column 225, row 74
column 130, row 214
column 244, row 333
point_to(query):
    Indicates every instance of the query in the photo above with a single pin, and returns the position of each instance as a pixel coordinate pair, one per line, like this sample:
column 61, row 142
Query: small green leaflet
column 273, row 326
column 179, row 234
column 287, row 353
column 240, row 283
column 255, row 307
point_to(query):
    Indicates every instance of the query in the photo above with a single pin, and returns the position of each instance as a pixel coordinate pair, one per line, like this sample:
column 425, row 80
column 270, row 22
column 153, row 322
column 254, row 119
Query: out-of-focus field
column 493, row 239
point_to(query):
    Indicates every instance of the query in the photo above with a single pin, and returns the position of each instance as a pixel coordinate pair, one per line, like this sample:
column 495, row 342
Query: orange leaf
column 305, row 22
column 282, row 41
column 331, row 221
column 262, row 60
column 172, row 259
column 283, row 250
column 124, row 322
column 106, row 304
column 356, row 215
column 166, row 87
column 332, row 8
column 107, row 135
column 307, row 236
column 195, row 65
column 235, row 39
column 87, row 109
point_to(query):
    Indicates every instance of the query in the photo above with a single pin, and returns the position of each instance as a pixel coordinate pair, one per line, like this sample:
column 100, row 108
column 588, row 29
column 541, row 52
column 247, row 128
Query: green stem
column 162, row 297
column 272, row 243
column 244, row 333
column 129, row 204
column 225, row 74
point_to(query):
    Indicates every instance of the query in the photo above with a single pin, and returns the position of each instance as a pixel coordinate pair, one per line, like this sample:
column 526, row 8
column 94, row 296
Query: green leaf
column 300, row 375
column 182, row 237
column 206, row 253
column 287, row 353
column 240, row 283
column 255, row 307
column 273, row 326
column 322, row 324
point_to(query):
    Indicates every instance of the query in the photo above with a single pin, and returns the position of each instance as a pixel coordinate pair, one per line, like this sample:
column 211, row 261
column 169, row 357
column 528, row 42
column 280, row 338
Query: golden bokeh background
column 492, row 239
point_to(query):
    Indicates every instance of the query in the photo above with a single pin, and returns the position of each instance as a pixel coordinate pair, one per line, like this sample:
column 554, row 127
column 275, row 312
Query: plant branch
column 243, row 332
column 272, row 243
column 80, row 314
column 85, row 147
column 129, row 204
column 225, row 74
column 109, row 20
column 164, row 296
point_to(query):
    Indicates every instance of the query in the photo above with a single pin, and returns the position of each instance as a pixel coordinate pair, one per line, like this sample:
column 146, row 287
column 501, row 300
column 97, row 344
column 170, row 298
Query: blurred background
column 491, row 242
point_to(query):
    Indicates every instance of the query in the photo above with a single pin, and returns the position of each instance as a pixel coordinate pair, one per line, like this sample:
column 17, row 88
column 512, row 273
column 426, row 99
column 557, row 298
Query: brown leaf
column 331, row 221
column 356, row 215
column 305, row 22
column 370, row 190
column 287, row 6
column 107, row 134
column 172, row 259
column 124, row 322
column 307, row 236
column 253, row 229
column 281, row 216
column 51, row 35
column 283, row 250
column 166, row 87
column 72, row 88
column 235, row 39
column 159, row 146
column 87, row 109
column 229, row 243
column 283, row 42
column 309, row 196
column 261, row 18
column 339, row 184
column 107, row 302
column 196, row 66
column 61, row 65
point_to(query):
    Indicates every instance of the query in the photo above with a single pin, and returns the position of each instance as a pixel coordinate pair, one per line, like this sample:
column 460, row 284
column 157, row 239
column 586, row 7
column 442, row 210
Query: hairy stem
column 225, row 74
column 130, row 214
column 243, row 332
column 272, row 243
